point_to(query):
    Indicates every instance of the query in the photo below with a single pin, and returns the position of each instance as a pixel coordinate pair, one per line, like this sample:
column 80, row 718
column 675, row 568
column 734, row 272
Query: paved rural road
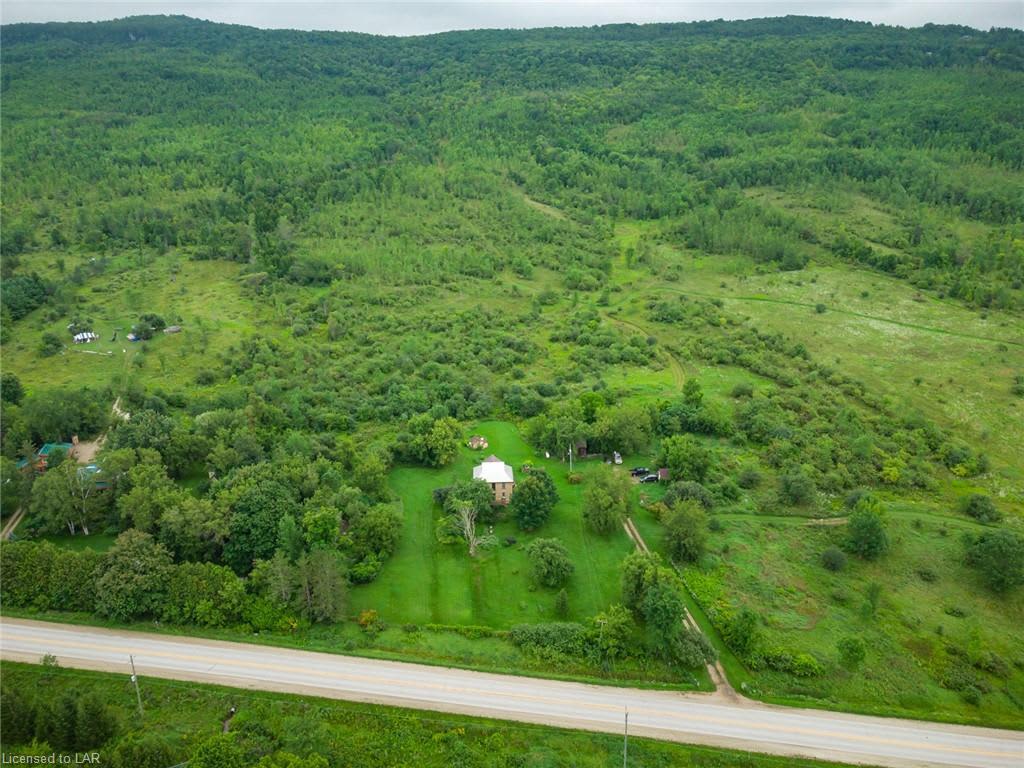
column 691, row 718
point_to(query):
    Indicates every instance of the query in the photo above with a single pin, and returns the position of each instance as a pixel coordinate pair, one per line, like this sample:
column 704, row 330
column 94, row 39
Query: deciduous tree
column 321, row 528
column 686, row 531
column 534, row 498
column 434, row 442
column 606, row 500
column 256, row 503
column 377, row 532
column 612, row 630
column 685, row 458
column 136, row 573
column 980, row 507
column 194, row 529
column 152, row 494
column 639, row 573
column 550, row 560
column 865, row 534
column 999, row 558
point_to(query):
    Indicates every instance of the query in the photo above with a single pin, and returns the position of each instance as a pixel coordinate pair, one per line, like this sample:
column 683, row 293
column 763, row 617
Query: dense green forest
column 782, row 259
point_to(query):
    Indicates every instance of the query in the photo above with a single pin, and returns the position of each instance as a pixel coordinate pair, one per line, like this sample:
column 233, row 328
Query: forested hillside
column 782, row 259
column 238, row 144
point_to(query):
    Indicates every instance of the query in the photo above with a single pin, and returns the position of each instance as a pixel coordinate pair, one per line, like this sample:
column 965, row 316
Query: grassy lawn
column 425, row 582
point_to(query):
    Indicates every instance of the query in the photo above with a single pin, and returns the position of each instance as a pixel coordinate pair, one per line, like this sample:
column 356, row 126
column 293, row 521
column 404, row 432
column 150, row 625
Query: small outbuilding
column 93, row 472
column 663, row 475
column 478, row 442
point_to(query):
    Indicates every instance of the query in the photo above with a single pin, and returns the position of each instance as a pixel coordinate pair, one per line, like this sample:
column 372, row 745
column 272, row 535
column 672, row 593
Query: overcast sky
column 422, row 16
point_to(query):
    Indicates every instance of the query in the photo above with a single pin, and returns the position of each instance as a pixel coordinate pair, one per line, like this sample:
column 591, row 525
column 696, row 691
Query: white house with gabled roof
column 498, row 475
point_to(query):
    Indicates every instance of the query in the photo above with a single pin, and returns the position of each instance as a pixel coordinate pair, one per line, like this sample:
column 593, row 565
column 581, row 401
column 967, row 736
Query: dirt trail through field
column 86, row 450
column 826, row 522
column 715, row 670
column 544, row 208
column 678, row 372
column 634, row 534
column 12, row 523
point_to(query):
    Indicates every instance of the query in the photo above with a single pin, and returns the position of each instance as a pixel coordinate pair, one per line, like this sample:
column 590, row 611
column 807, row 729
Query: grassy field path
column 674, row 364
column 850, row 312
column 715, row 669
column 12, row 523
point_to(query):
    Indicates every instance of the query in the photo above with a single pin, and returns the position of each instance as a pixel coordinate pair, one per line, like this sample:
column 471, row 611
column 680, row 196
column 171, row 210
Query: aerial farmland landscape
column 590, row 394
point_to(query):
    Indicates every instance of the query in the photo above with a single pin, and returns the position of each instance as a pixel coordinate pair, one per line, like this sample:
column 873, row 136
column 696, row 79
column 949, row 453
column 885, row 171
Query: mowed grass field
column 425, row 582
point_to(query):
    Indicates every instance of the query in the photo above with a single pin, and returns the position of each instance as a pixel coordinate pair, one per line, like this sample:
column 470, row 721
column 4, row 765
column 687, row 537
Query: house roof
column 46, row 450
column 493, row 470
column 49, row 448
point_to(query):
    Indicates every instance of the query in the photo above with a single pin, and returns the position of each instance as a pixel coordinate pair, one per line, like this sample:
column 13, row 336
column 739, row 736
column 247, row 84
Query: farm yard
column 432, row 584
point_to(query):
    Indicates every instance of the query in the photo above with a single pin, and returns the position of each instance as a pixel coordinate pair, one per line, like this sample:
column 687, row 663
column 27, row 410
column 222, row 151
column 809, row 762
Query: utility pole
column 135, row 682
column 570, row 459
column 625, row 740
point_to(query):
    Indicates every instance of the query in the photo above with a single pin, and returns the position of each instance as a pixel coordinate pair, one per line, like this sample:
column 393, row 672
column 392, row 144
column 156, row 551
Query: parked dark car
column 639, row 471
column 649, row 478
